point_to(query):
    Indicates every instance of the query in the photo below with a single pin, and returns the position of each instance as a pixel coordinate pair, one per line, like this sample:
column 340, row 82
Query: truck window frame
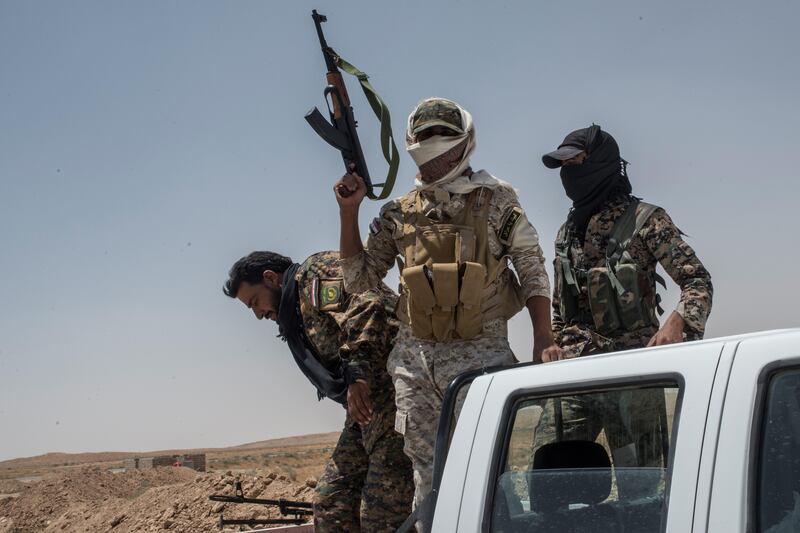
column 757, row 434
column 503, row 437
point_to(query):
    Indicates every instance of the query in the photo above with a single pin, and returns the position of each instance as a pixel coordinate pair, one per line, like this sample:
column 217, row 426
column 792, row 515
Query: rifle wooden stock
column 335, row 79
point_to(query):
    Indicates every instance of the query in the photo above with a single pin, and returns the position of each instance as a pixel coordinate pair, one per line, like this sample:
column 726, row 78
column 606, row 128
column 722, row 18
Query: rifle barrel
column 240, row 499
column 261, row 521
column 318, row 20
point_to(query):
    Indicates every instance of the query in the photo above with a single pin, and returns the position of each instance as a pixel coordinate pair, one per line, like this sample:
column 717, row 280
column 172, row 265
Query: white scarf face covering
column 454, row 182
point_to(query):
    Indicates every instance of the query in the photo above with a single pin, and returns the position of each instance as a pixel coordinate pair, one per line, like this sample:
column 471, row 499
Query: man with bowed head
column 452, row 237
column 340, row 341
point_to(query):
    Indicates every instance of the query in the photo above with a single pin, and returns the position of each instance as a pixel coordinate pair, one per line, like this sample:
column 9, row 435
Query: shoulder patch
column 375, row 226
column 328, row 294
column 508, row 224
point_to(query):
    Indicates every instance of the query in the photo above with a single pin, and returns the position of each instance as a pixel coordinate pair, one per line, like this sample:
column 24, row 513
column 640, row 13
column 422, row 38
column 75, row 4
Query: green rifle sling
column 381, row 111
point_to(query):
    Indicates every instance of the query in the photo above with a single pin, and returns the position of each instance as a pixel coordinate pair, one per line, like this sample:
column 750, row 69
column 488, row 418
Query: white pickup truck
column 720, row 451
column 696, row 437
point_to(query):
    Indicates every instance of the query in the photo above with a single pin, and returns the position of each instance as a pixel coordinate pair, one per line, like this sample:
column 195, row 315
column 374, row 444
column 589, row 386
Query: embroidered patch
column 331, row 294
column 507, row 227
column 375, row 226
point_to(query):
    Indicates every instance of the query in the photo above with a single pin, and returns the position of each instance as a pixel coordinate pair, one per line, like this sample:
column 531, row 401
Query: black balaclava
column 601, row 177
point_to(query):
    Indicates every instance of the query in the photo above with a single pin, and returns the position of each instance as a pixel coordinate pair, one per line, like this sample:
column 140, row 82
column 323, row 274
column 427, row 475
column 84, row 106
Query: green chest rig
column 621, row 294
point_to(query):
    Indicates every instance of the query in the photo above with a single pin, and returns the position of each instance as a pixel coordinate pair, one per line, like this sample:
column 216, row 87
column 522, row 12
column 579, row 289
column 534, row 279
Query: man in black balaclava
column 589, row 182
column 585, row 321
column 604, row 298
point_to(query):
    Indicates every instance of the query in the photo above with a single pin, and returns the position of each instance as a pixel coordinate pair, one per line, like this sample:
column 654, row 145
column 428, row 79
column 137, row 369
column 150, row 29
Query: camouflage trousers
column 421, row 371
column 365, row 488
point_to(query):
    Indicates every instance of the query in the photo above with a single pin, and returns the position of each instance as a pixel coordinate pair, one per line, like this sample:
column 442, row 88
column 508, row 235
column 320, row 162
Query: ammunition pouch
column 617, row 298
column 445, row 291
column 421, row 301
column 602, row 301
column 444, row 301
column 469, row 319
column 631, row 296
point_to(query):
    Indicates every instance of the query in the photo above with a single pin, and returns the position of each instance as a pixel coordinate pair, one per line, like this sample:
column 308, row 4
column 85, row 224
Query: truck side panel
column 692, row 365
column 709, row 451
column 455, row 470
column 732, row 493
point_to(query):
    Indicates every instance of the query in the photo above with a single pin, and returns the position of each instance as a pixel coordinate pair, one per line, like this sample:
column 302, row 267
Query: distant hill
column 57, row 459
column 303, row 440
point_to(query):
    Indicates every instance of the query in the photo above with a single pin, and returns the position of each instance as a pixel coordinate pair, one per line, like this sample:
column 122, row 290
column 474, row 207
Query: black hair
column 250, row 268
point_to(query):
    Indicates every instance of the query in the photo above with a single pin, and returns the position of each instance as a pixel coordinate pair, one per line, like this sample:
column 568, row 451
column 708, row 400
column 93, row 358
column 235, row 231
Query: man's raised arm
column 350, row 192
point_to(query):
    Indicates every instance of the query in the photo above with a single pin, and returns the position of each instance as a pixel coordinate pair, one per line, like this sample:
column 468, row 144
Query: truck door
column 756, row 477
column 590, row 444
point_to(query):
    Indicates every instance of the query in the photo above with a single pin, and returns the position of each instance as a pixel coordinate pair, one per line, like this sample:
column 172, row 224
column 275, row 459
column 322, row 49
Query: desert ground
column 91, row 492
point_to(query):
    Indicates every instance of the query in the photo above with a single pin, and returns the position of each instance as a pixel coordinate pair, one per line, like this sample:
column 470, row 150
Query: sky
column 145, row 146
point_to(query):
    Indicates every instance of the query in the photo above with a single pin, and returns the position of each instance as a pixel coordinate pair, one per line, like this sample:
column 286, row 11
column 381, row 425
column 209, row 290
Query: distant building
column 195, row 461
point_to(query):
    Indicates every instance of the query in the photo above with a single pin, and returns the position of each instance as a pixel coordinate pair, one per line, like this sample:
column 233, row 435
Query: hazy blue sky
column 145, row 146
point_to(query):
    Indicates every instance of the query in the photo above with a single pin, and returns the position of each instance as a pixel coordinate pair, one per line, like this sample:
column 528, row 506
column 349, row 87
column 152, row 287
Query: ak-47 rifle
column 300, row 512
column 340, row 132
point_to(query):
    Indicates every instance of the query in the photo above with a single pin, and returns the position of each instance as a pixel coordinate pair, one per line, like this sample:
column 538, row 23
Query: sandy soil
column 93, row 500
column 79, row 493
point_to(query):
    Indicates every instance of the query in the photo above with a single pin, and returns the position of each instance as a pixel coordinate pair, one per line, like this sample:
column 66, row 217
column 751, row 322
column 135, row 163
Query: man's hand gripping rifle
column 340, row 132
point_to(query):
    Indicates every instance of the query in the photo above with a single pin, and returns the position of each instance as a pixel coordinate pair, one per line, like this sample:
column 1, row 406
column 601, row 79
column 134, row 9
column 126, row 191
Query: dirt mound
column 174, row 499
column 187, row 508
column 11, row 486
column 41, row 503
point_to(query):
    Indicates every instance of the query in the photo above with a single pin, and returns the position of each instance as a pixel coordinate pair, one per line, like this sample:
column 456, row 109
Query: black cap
column 573, row 144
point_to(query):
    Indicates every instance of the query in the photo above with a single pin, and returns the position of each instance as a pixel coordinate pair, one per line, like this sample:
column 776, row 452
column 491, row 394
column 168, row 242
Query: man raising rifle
column 453, row 235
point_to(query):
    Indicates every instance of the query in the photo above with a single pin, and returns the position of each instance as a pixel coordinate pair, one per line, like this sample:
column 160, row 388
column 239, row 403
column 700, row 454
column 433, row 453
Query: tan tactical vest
column 451, row 283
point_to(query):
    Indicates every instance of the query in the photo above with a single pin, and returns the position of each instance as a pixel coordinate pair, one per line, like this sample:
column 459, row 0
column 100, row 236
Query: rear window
column 779, row 456
column 588, row 461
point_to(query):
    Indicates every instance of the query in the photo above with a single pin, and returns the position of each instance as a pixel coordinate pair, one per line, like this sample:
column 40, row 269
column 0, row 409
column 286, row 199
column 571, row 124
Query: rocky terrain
column 163, row 499
column 90, row 493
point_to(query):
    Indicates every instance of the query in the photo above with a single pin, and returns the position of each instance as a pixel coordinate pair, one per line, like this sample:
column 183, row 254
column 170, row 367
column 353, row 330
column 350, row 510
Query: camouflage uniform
column 367, row 484
column 658, row 241
column 422, row 369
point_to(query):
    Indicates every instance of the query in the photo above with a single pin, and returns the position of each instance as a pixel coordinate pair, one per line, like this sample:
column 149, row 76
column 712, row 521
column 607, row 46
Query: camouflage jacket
column 355, row 329
column 659, row 241
column 370, row 267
